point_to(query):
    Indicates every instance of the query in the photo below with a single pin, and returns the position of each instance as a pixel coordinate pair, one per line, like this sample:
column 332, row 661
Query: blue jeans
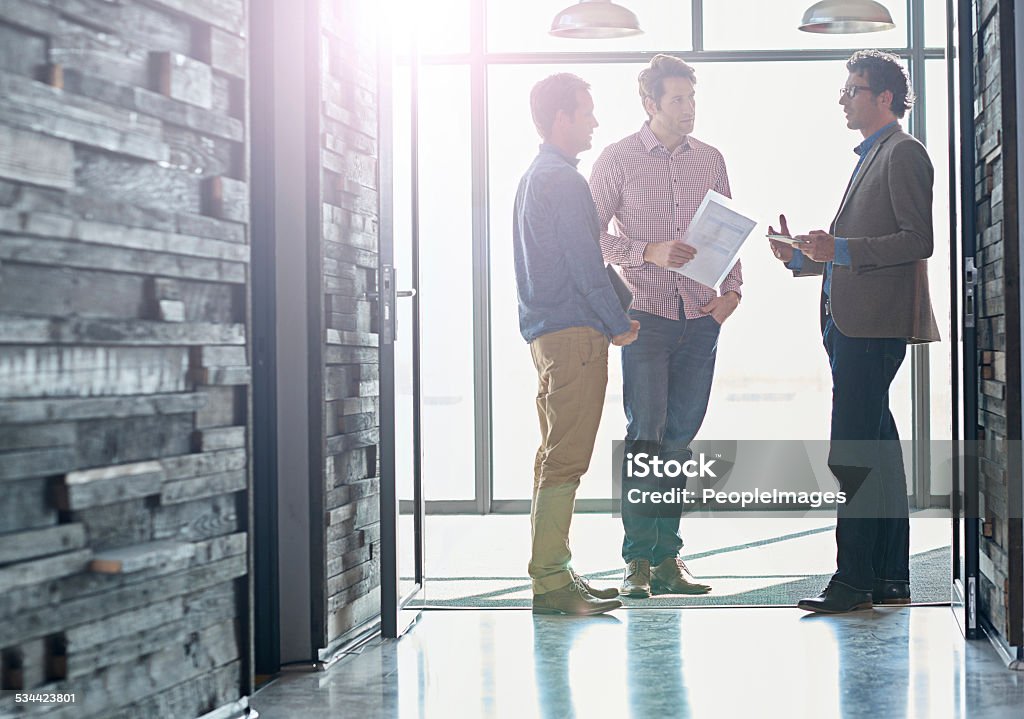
column 872, row 528
column 666, row 383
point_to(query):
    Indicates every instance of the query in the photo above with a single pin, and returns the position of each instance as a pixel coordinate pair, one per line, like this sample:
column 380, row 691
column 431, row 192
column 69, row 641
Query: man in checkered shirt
column 649, row 186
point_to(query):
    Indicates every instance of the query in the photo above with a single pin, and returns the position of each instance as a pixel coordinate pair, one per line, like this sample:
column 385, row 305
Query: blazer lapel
column 864, row 167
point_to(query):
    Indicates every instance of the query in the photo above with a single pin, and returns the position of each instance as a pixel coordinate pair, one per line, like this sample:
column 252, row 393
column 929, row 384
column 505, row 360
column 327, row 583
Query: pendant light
column 846, row 16
column 595, row 19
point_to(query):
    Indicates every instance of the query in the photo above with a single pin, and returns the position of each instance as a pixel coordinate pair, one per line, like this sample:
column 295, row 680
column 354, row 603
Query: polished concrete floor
column 697, row 662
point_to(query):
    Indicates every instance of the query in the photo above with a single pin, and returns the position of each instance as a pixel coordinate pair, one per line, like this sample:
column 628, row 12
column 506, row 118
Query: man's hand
column 781, row 250
column 819, row 246
column 670, row 254
column 721, row 307
column 627, row 337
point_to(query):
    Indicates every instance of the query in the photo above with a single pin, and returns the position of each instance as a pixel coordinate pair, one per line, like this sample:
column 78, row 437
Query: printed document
column 717, row 232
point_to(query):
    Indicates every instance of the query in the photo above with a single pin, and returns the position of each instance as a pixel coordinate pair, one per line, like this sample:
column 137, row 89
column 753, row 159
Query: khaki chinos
column 572, row 373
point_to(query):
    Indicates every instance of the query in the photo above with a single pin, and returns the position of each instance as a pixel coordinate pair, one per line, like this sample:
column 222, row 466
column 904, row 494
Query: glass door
column 964, row 497
column 398, row 318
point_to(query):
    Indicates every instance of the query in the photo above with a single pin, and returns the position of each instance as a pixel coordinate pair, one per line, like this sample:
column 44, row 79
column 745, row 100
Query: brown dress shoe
column 673, row 577
column 610, row 593
column 574, row 600
column 636, row 579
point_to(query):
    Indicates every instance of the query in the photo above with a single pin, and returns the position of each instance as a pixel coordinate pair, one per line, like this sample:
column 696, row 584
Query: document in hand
column 717, row 232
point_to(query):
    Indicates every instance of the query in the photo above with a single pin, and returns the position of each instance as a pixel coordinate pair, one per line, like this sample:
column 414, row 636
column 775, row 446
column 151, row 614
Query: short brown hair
column 554, row 93
column 884, row 71
column 652, row 78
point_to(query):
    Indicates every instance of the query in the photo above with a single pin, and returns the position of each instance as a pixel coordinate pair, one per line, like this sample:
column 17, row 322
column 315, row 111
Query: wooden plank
column 113, row 235
column 44, row 569
column 118, row 525
column 108, row 485
column 205, row 609
column 36, row 618
column 196, row 465
column 183, row 78
column 39, row 108
column 220, row 376
column 344, row 442
column 198, row 520
column 210, row 440
column 225, row 406
column 37, row 436
column 52, row 410
column 135, row 680
column 88, row 371
column 226, row 14
column 228, row 53
column 226, row 198
column 26, row 506
column 142, row 556
column 21, row 546
column 83, row 256
column 219, row 688
column 119, row 441
column 69, row 292
column 218, row 356
column 34, row 158
column 201, row 154
column 335, row 354
column 187, row 490
column 36, row 463
column 108, row 332
column 352, row 339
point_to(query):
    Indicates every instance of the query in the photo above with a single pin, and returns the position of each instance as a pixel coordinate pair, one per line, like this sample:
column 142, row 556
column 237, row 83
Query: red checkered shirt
column 652, row 195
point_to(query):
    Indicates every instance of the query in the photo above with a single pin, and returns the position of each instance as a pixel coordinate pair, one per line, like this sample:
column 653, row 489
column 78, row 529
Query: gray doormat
column 929, row 583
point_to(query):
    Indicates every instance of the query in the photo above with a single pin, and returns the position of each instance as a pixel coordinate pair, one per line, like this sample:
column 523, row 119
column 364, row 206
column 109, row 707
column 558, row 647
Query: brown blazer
column 886, row 215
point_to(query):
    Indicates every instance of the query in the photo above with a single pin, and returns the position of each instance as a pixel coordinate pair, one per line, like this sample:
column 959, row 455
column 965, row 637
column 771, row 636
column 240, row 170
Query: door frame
column 394, row 619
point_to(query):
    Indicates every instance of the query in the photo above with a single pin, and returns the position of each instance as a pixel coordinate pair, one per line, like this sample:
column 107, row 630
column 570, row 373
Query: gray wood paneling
column 124, row 346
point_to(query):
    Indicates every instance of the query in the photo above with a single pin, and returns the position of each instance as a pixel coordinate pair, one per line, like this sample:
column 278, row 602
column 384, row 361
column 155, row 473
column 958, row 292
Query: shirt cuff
column 732, row 285
column 797, row 263
column 635, row 254
column 842, row 252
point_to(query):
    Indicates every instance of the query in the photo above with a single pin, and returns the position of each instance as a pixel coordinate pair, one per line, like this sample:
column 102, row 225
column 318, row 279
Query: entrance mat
column 929, row 583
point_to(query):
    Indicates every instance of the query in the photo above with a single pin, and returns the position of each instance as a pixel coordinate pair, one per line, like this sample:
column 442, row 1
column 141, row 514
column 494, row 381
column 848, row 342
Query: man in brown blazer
column 874, row 301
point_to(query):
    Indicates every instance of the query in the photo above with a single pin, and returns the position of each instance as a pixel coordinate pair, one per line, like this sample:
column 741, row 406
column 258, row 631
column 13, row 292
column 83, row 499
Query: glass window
column 446, row 284
column 736, row 25
column 935, row 23
column 523, row 27
column 441, row 26
column 772, row 379
column 940, row 358
column 513, row 145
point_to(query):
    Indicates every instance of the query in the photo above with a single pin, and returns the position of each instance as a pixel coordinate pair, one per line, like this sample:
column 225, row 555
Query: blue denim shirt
column 560, row 276
column 842, row 244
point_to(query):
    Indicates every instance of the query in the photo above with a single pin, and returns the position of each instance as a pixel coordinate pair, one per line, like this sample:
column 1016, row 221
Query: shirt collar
column 650, row 141
column 549, row 148
column 862, row 148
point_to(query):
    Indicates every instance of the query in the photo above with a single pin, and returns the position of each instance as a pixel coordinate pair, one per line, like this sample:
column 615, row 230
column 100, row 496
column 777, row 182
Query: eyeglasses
column 850, row 91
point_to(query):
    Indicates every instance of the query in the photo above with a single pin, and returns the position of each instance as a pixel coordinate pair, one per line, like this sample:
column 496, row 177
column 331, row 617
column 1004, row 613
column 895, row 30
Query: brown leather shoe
column 636, row 579
column 574, row 600
column 673, row 577
column 610, row 593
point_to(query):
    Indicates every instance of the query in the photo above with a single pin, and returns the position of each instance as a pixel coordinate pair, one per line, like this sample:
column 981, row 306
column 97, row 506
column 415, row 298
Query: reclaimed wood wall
column 1001, row 590
column 349, row 212
column 124, row 370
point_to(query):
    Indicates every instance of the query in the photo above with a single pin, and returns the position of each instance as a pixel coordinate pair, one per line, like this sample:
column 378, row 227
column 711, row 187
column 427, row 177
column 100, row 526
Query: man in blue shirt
column 568, row 311
column 874, row 301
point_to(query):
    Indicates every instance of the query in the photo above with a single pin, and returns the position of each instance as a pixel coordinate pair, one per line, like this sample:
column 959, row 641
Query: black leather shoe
column 887, row 592
column 837, row 598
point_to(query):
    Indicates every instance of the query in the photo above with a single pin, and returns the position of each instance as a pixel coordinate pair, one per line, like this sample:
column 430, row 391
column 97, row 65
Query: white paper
column 717, row 232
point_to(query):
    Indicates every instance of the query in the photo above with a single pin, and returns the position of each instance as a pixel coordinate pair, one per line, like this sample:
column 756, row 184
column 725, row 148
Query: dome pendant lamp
column 846, row 16
column 595, row 19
